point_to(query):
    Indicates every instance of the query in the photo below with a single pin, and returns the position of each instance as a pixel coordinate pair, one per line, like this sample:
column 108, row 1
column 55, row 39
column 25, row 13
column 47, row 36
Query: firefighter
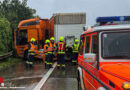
column 52, row 43
column 61, row 53
column 31, row 52
column 51, row 51
column 46, row 52
column 75, row 48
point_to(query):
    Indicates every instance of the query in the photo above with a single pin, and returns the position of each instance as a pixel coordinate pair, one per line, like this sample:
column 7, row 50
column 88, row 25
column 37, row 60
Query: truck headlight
column 126, row 85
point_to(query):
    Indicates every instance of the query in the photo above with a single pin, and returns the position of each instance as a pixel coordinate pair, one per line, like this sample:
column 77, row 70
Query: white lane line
column 45, row 77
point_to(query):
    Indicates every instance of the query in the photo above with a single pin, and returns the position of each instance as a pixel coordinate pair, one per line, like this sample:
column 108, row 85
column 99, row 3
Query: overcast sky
column 93, row 8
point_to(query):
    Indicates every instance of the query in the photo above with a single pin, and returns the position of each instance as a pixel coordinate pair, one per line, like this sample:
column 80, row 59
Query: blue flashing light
column 113, row 19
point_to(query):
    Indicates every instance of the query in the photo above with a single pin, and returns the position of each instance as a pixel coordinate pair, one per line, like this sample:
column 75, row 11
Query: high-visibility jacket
column 32, row 49
column 75, row 48
column 51, row 48
column 61, row 47
column 46, row 48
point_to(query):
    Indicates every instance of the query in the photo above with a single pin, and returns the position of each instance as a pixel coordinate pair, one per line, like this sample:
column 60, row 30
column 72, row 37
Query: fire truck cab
column 104, row 57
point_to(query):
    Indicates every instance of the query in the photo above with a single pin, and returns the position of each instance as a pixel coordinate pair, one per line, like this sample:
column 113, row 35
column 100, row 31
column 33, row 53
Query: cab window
column 94, row 44
column 21, row 37
column 81, row 46
column 87, row 45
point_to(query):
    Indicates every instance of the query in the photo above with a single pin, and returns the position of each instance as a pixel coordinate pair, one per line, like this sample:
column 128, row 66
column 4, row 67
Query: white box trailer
column 69, row 24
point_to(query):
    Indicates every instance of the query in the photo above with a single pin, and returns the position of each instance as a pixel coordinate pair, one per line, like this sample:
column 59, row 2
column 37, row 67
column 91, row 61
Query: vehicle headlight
column 126, row 85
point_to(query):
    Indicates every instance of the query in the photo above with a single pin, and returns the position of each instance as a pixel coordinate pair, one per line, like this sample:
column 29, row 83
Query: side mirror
column 90, row 57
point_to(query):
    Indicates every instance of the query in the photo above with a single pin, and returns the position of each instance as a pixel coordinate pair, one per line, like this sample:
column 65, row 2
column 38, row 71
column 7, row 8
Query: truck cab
column 104, row 58
column 40, row 29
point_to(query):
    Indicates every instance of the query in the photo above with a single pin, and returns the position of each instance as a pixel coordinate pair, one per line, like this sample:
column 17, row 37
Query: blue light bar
column 113, row 19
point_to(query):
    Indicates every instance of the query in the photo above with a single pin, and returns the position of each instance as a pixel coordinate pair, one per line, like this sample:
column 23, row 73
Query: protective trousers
column 49, row 60
column 60, row 60
column 75, row 58
column 46, row 63
column 29, row 61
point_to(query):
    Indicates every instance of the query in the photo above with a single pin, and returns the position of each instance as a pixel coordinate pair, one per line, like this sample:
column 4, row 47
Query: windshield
column 116, row 45
column 21, row 37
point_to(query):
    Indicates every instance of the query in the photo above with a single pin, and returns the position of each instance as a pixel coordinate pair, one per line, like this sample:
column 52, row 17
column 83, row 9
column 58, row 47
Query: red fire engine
column 104, row 56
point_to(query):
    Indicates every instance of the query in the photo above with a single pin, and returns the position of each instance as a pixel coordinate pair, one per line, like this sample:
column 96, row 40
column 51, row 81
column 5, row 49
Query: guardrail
column 6, row 55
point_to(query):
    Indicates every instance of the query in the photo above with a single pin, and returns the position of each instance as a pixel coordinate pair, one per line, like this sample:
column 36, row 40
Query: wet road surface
column 20, row 76
column 62, row 79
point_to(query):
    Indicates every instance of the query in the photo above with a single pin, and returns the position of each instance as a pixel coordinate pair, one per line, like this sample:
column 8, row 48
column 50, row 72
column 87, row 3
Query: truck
column 68, row 25
column 104, row 55
column 40, row 29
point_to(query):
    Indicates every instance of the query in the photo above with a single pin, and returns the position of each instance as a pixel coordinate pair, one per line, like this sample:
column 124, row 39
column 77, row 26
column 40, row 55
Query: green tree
column 15, row 11
column 5, row 36
column 12, row 11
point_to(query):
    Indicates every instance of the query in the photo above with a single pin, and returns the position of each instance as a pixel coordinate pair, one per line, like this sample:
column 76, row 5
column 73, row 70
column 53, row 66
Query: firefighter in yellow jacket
column 61, row 53
column 75, row 48
column 31, row 52
column 51, row 51
column 47, row 42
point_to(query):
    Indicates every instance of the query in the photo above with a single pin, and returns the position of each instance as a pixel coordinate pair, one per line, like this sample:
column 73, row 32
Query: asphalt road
column 62, row 79
column 21, row 77
column 27, row 78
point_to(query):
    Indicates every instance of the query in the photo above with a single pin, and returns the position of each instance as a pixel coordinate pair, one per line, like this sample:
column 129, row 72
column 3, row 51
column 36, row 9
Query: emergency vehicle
column 104, row 55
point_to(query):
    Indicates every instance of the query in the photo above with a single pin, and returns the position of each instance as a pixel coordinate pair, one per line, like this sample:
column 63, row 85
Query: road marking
column 45, row 77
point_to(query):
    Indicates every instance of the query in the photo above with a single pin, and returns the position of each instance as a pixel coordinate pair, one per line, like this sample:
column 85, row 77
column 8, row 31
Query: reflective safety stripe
column 58, row 65
column 74, row 60
column 29, row 62
column 75, row 51
column 63, row 65
column 31, row 53
column 61, row 52
column 49, row 52
column 47, row 63
column 50, row 63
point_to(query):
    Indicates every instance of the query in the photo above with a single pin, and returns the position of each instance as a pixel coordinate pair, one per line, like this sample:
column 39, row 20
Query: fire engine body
column 104, row 58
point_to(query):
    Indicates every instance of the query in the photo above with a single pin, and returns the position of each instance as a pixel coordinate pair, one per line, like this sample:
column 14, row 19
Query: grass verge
column 9, row 62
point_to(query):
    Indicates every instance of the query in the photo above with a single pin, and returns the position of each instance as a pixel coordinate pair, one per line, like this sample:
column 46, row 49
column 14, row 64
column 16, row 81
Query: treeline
column 11, row 13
